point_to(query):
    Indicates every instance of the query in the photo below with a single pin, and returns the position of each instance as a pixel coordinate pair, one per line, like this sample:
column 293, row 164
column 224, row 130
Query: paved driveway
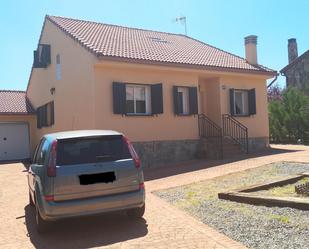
column 162, row 227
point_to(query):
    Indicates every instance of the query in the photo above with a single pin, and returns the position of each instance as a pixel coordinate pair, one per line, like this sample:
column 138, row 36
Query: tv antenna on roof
column 183, row 21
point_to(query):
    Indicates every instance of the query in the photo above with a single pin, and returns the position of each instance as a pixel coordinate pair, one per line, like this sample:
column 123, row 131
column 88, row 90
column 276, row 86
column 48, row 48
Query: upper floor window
column 58, row 67
column 45, row 115
column 242, row 102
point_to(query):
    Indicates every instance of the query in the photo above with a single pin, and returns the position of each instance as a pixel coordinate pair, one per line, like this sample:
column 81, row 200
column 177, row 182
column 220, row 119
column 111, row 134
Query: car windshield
column 91, row 150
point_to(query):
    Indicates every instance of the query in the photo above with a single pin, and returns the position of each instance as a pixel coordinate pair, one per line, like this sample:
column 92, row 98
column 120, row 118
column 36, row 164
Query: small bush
column 288, row 116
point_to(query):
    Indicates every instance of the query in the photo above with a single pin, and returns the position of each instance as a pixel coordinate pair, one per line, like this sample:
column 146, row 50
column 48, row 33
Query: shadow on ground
column 94, row 231
column 180, row 168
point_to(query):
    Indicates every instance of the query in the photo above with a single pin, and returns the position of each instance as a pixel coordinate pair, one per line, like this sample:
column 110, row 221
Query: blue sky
column 221, row 23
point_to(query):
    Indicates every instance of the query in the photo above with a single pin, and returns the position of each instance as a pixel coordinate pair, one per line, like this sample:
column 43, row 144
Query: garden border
column 243, row 195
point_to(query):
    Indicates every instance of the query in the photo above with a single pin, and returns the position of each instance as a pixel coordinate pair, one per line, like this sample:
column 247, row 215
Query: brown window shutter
column 119, row 98
column 52, row 114
column 45, row 56
column 38, row 117
column 156, row 99
column 232, row 102
column 193, row 103
column 175, row 96
column 252, row 101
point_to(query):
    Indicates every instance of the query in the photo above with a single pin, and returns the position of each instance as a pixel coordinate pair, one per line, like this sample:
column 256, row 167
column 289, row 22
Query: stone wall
column 155, row 154
column 159, row 153
column 258, row 144
column 298, row 75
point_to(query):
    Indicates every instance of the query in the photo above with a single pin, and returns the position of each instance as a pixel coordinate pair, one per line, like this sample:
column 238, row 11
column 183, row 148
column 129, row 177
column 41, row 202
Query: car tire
column 136, row 212
column 41, row 225
column 31, row 203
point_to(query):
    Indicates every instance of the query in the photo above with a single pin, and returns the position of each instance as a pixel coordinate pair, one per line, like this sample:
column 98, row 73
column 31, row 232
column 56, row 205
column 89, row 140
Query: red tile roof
column 134, row 44
column 15, row 102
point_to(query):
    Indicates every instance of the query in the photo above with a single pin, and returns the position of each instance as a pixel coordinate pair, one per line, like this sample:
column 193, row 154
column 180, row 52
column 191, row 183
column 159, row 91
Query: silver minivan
column 77, row 173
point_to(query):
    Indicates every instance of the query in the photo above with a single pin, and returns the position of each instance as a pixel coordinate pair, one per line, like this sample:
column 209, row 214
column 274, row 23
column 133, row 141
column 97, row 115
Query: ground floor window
column 138, row 99
column 241, row 102
column 183, row 100
column 45, row 115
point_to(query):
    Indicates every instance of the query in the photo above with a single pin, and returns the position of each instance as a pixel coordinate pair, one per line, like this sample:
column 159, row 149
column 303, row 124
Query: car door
column 37, row 169
column 31, row 174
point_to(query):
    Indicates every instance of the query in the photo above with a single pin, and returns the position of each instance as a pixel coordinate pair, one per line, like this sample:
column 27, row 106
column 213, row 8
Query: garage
column 17, row 124
column 14, row 141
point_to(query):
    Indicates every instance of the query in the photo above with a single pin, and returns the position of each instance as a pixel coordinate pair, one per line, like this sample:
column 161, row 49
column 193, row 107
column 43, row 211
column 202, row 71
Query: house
column 164, row 91
column 297, row 71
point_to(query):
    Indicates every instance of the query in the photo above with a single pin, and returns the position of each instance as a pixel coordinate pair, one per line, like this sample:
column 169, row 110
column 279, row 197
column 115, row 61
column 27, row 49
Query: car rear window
column 91, row 150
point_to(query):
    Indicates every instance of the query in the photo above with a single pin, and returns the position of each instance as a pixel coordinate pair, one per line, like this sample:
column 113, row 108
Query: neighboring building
column 149, row 85
column 17, row 124
column 297, row 71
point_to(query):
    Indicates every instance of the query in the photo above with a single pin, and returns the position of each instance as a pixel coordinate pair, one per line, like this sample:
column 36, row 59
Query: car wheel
column 41, row 225
column 30, row 200
column 136, row 212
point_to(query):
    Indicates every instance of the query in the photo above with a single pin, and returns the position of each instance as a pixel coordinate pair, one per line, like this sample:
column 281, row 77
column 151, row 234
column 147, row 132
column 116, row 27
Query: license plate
column 106, row 177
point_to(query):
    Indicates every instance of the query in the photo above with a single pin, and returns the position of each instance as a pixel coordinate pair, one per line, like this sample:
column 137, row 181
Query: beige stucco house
column 164, row 91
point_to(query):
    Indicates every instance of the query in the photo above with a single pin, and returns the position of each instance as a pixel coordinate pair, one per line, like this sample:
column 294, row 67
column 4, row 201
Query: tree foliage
column 288, row 116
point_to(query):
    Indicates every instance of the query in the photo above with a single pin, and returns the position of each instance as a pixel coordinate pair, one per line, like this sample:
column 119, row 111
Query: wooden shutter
column 156, row 99
column 44, row 116
column 45, row 55
column 36, row 60
column 38, row 117
column 52, row 114
column 193, row 105
column 175, row 96
column 232, row 102
column 252, row 101
column 119, row 98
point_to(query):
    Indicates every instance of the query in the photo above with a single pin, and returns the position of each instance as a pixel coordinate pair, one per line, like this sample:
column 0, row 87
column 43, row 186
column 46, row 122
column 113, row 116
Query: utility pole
column 183, row 21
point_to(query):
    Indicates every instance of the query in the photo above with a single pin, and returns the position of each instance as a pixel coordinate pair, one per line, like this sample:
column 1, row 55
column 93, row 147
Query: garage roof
column 15, row 102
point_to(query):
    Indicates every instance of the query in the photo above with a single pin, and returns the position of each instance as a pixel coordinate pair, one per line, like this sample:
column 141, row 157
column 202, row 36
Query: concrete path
column 163, row 226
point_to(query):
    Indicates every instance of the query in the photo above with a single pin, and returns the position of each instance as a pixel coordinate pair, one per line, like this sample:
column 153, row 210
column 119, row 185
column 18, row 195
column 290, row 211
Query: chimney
column 292, row 49
column 250, row 44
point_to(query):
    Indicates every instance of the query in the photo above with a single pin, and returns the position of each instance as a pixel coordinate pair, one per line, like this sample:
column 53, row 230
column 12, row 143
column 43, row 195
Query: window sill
column 185, row 115
column 138, row 115
column 241, row 115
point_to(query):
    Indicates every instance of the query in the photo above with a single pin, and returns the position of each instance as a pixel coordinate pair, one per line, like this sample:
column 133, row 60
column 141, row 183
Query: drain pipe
column 273, row 81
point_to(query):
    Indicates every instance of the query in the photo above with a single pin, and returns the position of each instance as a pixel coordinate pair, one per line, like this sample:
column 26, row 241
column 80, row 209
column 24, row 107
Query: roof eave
column 18, row 113
column 185, row 65
column 283, row 70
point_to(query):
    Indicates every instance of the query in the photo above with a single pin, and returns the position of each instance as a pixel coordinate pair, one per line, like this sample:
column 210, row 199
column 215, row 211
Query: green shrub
column 289, row 117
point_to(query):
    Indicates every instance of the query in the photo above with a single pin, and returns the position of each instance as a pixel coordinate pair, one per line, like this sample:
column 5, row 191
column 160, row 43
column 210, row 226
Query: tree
column 289, row 116
column 274, row 93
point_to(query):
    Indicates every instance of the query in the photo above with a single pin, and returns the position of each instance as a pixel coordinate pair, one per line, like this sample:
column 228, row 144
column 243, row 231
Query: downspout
column 273, row 81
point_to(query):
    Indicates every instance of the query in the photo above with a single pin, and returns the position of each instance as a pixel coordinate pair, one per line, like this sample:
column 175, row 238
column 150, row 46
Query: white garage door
column 14, row 141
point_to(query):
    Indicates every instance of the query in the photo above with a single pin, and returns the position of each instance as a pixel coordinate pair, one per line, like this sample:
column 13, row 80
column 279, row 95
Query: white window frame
column 147, row 98
column 185, row 99
column 245, row 102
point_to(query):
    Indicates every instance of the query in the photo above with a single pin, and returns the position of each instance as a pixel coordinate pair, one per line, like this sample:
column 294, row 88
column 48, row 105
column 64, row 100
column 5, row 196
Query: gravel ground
column 254, row 226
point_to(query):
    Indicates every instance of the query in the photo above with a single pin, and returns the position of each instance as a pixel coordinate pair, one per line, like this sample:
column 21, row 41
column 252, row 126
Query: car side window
column 37, row 152
column 41, row 153
column 44, row 152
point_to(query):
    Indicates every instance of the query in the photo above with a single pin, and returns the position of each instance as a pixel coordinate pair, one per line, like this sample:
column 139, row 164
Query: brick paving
column 163, row 225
